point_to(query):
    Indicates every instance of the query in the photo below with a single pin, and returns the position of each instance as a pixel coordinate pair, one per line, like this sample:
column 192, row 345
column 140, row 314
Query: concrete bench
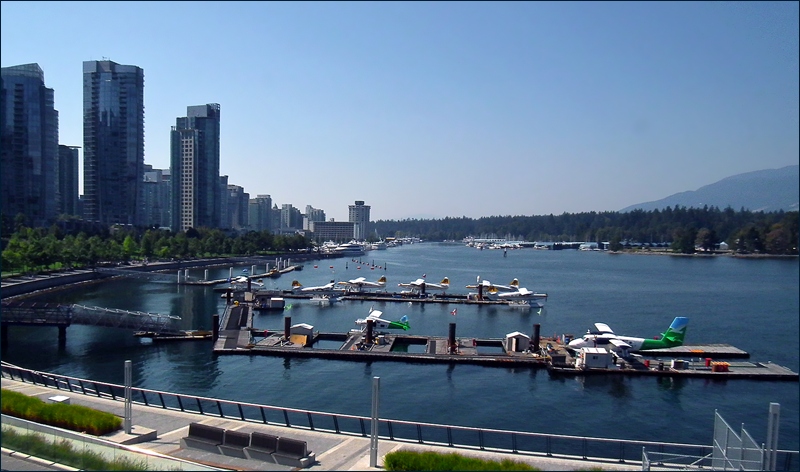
column 293, row 452
column 261, row 446
column 234, row 443
column 204, row 437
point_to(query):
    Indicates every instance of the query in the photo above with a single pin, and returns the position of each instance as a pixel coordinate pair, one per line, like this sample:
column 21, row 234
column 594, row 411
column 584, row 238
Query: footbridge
column 53, row 314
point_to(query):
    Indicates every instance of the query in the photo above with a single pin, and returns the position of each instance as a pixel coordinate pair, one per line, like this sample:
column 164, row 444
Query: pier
column 237, row 337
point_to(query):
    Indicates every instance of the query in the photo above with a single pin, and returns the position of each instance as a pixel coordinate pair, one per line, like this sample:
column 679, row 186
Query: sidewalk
column 333, row 451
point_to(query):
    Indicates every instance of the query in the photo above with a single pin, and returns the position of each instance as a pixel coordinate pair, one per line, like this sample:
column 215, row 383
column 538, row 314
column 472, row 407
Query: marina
column 749, row 304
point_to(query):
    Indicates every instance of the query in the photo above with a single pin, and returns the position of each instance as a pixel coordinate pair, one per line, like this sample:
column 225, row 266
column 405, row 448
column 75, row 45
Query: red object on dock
column 708, row 361
column 647, row 363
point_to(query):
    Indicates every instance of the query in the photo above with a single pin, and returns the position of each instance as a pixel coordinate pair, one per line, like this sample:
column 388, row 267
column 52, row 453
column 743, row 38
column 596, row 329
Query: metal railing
column 463, row 437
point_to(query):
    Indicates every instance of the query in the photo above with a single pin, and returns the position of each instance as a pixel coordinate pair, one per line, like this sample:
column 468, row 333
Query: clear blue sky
column 427, row 110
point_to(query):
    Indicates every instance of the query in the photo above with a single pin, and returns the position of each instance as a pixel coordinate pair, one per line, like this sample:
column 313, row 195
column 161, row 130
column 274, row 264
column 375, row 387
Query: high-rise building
column 359, row 215
column 113, row 142
column 237, row 206
column 194, row 162
column 68, row 172
column 156, row 197
column 29, row 142
column 312, row 215
column 291, row 218
column 260, row 213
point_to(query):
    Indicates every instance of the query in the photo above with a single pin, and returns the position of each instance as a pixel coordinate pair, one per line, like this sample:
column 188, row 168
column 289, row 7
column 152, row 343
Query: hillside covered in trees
column 774, row 232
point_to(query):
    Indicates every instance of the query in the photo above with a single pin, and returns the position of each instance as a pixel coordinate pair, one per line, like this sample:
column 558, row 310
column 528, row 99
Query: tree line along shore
column 74, row 243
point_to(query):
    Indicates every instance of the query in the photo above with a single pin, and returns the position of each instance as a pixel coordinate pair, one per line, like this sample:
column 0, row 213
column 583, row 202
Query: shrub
column 72, row 417
column 62, row 452
column 433, row 461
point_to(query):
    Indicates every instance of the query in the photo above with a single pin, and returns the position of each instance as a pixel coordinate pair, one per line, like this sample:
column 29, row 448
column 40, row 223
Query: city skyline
column 427, row 110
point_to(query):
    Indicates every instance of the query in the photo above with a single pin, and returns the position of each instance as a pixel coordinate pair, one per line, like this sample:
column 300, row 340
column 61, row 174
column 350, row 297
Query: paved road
column 333, row 451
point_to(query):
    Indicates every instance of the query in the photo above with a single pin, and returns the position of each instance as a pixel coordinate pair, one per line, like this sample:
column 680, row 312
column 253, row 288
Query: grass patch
column 72, row 417
column 433, row 461
column 62, row 452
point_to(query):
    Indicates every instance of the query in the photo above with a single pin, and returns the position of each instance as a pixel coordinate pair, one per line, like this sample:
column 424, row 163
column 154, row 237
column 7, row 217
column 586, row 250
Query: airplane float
column 380, row 323
column 360, row 283
column 605, row 337
column 420, row 286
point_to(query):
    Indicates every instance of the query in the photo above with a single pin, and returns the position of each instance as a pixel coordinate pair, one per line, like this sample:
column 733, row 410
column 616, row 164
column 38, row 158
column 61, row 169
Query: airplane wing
column 619, row 343
column 603, row 328
column 374, row 315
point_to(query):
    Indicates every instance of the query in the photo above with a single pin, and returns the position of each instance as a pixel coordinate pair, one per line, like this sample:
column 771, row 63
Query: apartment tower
column 29, row 143
column 113, row 142
column 194, row 163
column 359, row 216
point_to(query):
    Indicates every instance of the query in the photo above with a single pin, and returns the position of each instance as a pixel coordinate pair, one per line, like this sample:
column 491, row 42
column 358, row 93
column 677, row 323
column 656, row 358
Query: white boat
column 349, row 249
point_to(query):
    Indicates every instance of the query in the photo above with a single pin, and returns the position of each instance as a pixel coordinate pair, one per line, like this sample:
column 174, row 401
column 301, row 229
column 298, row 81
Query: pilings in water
column 370, row 324
column 535, row 338
column 287, row 327
column 451, row 339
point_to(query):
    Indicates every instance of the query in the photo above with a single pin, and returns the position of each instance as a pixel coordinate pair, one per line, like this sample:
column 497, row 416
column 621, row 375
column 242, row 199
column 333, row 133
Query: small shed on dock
column 304, row 329
column 301, row 333
column 594, row 358
column 517, row 342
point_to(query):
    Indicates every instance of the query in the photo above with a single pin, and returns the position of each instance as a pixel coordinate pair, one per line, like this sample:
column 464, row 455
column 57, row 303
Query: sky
column 444, row 109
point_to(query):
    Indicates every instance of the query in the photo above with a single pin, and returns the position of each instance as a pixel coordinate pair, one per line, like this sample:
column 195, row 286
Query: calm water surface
column 751, row 304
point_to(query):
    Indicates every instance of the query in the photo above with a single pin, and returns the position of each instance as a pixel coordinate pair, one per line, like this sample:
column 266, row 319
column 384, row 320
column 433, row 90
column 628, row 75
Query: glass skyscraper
column 194, row 163
column 29, row 143
column 68, row 170
column 113, row 138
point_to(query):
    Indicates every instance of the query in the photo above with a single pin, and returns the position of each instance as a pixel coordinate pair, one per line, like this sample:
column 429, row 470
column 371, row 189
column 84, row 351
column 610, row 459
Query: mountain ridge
column 760, row 190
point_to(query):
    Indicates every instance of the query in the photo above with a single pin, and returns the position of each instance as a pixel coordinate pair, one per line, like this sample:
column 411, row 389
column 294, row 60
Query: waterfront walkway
column 333, row 451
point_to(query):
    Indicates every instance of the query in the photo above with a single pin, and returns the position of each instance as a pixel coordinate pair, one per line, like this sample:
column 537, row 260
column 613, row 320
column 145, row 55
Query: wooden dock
column 714, row 351
column 733, row 370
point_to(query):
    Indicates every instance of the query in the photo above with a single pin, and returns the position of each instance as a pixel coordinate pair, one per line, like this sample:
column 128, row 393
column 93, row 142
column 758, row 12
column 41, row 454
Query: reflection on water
column 636, row 295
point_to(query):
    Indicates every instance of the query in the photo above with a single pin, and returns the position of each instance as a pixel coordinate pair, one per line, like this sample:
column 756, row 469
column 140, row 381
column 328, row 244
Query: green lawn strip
column 72, row 417
column 433, row 461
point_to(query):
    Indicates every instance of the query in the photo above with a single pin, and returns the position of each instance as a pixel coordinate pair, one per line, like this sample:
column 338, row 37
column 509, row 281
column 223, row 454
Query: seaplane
column 242, row 281
column 523, row 294
column 360, row 283
column 380, row 323
column 329, row 287
column 420, row 285
column 488, row 290
column 604, row 336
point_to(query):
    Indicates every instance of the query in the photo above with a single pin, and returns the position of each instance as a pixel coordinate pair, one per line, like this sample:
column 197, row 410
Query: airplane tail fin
column 514, row 283
column 404, row 322
column 676, row 331
column 296, row 284
column 382, row 280
column 445, row 281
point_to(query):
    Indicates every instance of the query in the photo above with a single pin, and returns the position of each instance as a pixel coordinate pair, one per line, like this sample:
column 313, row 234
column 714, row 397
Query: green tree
column 683, row 240
column 706, row 239
column 129, row 247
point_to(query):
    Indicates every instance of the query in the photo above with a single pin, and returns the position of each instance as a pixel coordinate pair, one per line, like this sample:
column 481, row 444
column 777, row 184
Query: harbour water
column 752, row 304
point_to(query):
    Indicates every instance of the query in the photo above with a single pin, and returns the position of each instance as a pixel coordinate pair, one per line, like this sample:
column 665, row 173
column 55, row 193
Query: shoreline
column 708, row 255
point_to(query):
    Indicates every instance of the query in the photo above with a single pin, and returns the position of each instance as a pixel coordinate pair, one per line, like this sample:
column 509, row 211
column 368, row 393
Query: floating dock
column 236, row 337
column 395, row 297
